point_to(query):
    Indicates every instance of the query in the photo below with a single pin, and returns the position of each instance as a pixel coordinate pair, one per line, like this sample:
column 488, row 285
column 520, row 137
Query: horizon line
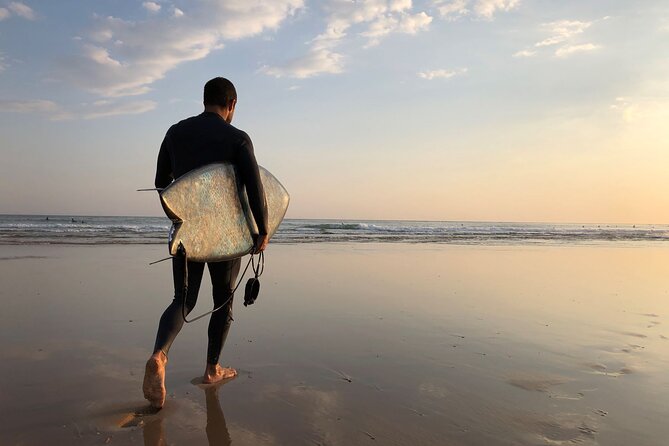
column 365, row 219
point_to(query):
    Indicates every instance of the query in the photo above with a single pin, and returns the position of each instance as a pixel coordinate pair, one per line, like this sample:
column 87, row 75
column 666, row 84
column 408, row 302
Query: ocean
column 43, row 229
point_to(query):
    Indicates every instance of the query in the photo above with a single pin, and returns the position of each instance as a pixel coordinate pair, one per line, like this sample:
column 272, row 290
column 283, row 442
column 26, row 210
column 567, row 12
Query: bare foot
column 214, row 374
column 154, row 380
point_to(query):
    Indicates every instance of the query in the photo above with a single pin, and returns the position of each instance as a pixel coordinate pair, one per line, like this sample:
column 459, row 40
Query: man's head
column 220, row 97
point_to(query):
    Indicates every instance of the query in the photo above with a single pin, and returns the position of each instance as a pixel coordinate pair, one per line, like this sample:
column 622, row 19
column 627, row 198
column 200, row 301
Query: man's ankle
column 160, row 356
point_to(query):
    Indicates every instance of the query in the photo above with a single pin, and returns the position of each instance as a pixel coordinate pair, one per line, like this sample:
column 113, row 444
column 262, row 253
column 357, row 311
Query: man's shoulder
column 241, row 134
column 184, row 123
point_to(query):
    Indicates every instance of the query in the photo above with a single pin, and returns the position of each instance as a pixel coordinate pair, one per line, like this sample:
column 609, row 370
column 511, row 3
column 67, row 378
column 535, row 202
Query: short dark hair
column 219, row 91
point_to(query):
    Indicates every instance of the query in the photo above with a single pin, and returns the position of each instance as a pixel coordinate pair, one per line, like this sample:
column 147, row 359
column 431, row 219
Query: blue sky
column 439, row 109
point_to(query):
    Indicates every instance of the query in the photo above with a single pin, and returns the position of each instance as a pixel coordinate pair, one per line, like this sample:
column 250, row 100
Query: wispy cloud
column 664, row 26
column 481, row 9
column 634, row 110
column 14, row 8
column 373, row 19
column 316, row 61
column 28, row 106
column 488, row 8
column 572, row 49
column 151, row 6
column 22, row 10
column 561, row 36
column 123, row 58
column 441, row 74
column 525, row 53
column 55, row 112
column 17, row 8
column 113, row 109
column 402, row 23
column 452, row 10
column 562, row 31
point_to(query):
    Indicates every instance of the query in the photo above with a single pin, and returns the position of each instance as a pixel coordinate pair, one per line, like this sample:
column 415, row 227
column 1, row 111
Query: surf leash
column 249, row 297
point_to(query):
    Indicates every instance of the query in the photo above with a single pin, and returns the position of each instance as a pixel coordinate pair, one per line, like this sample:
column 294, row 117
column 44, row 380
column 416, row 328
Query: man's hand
column 260, row 243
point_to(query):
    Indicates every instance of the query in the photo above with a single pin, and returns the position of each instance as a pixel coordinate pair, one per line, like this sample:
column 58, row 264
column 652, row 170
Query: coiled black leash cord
column 181, row 251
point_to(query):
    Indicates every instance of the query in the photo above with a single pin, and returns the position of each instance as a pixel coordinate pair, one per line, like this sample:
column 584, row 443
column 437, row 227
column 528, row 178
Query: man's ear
column 232, row 104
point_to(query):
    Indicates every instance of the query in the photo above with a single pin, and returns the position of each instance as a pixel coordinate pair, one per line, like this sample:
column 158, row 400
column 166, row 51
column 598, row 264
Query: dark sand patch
column 537, row 383
column 23, row 257
column 633, row 334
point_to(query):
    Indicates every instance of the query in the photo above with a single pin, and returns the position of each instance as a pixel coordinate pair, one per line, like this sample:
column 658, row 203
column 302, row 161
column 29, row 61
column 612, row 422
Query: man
column 192, row 143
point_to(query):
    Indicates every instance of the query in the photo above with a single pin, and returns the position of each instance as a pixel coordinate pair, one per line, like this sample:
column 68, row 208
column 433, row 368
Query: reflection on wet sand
column 217, row 430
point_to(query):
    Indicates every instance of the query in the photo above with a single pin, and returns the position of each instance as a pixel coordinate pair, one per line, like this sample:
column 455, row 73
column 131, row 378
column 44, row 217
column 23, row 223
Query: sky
column 487, row 110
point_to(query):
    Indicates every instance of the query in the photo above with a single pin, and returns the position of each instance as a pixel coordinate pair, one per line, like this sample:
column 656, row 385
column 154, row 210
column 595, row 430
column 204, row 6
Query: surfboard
column 210, row 212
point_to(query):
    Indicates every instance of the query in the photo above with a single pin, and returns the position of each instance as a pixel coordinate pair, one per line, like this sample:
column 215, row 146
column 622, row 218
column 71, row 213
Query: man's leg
column 223, row 280
column 170, row 324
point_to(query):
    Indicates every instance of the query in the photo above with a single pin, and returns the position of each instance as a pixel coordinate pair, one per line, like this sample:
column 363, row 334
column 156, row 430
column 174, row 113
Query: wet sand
column 392, row 344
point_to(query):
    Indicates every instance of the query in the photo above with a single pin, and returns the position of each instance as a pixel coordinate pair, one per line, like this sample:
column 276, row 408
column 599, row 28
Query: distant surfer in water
column 194, row 142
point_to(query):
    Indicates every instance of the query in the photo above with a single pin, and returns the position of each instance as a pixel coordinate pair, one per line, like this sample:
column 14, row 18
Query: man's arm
column 164, row 175
column 250, row 175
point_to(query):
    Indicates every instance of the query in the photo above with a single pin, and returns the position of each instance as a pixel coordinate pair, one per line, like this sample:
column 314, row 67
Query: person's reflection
column 217, row 430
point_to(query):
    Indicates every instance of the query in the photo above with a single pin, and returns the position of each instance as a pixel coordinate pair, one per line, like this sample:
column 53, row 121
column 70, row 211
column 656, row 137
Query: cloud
column 28, row 106
column 22, row 10
column 3, row 64
column 562, row 34
column 664, row 25
column 373, row 19
column 403, row 23
column 453, row 10
column 151, row 6
column 4, row 13
column 106, row 109
column 635, row 110
column 316, row 61
column 99, row 109
column 571, row 49
column 441, row 74
column 100, row 56
column 124, row 58
column 561, row 31
column 525, row 53
column 482, row 9
column 488, row 8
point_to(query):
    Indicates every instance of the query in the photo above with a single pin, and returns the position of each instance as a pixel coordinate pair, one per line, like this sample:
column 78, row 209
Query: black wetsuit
column 189, row 144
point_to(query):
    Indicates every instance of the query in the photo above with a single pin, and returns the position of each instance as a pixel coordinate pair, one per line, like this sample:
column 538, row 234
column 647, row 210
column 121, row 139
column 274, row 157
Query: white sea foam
column 147, row 230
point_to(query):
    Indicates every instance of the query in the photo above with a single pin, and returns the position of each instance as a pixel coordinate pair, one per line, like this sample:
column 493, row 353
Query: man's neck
column 220, row 111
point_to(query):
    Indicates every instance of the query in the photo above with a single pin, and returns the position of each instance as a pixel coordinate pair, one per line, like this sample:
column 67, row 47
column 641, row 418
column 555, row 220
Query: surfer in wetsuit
column 194, row 142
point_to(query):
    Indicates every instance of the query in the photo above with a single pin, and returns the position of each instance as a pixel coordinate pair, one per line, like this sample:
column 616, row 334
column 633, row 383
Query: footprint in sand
column 602, row 369
column 561, row 429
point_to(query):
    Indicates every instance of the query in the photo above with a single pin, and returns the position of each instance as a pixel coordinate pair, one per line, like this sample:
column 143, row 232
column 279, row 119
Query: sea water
column 61, row 229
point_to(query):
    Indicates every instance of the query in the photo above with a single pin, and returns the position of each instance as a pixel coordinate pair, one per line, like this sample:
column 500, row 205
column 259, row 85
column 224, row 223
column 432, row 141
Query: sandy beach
column 393, row 344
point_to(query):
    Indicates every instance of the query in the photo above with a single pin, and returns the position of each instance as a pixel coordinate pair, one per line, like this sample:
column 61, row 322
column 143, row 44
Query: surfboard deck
column 211, row 216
